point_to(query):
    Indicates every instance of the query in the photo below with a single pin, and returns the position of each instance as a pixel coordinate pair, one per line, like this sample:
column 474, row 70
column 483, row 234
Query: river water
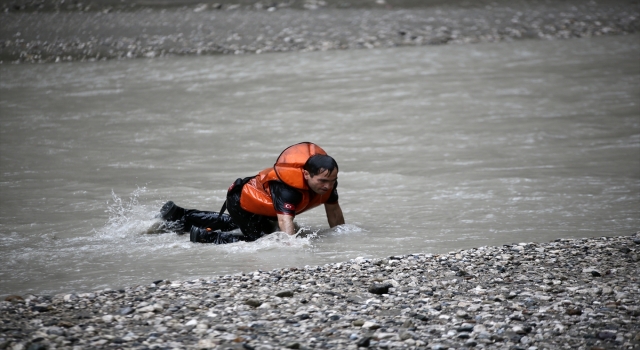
column 440, row 148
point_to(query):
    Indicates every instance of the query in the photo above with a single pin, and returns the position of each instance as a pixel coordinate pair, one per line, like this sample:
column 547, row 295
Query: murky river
column 440, row 148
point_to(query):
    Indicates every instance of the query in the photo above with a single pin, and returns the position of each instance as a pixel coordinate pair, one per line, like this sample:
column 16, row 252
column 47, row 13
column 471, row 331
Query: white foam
column 274, row 241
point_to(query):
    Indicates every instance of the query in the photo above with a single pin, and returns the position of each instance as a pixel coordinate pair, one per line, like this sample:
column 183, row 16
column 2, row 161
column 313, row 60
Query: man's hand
column 286, row 224
column 334, row 214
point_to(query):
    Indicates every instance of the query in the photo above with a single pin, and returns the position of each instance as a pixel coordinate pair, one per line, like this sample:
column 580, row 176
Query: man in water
column 302, row 178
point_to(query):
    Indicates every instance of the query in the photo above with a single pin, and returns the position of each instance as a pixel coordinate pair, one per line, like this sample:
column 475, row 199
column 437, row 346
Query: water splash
column 346, row 229
column 128, row 217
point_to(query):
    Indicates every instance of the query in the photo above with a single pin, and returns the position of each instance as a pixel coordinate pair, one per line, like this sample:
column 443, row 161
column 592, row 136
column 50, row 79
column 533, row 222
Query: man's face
column 322, row 182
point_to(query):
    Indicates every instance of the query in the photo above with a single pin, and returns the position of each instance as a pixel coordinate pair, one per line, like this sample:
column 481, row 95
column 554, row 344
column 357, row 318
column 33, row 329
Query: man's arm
column 286, row 224
column 334, row 214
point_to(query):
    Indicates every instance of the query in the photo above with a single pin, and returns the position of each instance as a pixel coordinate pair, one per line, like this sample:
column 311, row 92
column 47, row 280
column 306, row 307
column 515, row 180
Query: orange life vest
column 256, row 194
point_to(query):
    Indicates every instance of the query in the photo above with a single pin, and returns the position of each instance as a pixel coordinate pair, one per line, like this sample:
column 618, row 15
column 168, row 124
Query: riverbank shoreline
column 569, row 293
column 103, row 30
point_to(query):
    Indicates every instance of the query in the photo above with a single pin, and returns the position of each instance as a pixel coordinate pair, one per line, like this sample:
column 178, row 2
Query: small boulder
column 380, row 288
column 253, row 302
column 285, row 294
column 364, row 342
column 573, row 312
column 126, row 311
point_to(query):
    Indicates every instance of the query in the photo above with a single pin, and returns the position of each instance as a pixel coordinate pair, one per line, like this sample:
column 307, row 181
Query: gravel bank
column 567, row 294
column 101, row 30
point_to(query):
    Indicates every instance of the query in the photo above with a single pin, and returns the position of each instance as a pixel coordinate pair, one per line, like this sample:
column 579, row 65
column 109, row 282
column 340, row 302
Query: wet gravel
column 73, row 31
column 566, row 294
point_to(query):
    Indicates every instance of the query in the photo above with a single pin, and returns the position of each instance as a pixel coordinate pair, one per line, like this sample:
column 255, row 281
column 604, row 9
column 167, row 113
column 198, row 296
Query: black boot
column 206, row 235
column 194, row 234
column 171, row 212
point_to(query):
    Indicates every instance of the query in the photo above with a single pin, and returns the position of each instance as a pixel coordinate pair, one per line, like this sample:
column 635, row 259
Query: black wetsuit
column 215, row 227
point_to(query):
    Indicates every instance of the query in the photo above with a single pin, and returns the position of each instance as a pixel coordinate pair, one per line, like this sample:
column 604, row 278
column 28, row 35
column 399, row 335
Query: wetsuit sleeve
column 333, row 198
column 285, row 198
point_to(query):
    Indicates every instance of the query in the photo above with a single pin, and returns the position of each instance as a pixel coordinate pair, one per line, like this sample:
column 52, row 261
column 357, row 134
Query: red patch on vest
column 289, row 206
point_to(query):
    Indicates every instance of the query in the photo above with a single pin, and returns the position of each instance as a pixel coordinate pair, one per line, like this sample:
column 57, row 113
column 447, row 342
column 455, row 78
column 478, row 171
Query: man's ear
column 306, row 174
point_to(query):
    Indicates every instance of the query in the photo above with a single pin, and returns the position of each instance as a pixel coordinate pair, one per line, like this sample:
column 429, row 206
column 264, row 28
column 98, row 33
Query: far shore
column 94, row 30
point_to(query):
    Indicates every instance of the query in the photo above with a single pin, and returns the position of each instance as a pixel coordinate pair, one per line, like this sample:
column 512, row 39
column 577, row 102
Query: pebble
column 71, row 31
column 537, row 302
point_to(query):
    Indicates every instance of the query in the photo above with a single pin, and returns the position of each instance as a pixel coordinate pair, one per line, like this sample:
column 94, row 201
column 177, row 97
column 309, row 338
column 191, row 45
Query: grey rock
column 56, row 331
column 253, row 302
column 126, row 310
column 364, row 342
column 573, row 311
column 40, row 308
column 37, row 346
column 606, row 335
column 466, row 327
column 380, row 288
column 285, row 294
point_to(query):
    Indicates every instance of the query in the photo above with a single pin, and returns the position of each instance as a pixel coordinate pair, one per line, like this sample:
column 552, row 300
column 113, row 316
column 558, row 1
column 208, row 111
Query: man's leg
column 183, row 220
column 208, row 219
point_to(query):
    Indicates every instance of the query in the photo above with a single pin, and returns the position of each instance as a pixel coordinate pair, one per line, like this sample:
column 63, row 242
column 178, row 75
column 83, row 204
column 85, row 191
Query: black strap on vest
column 237, row 186
column 224, row 207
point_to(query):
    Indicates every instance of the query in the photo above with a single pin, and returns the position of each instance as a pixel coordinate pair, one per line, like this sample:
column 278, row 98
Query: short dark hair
column 319, row 163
